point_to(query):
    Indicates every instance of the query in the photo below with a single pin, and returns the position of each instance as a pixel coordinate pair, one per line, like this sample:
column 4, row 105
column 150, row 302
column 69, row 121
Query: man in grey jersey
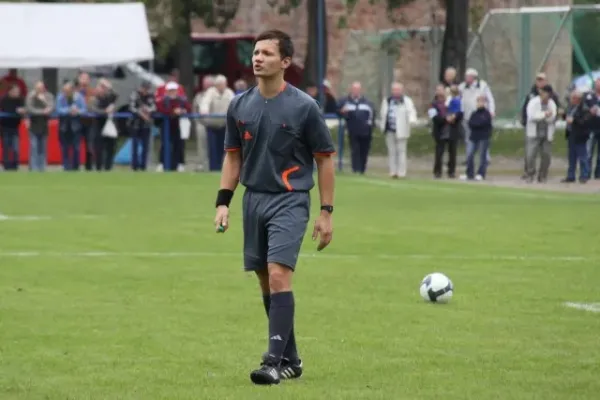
column 274, row 135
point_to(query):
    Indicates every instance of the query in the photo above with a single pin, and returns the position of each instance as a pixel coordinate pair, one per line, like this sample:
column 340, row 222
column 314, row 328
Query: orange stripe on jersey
column 324, row 154
column 284, row 177
column 232, row 149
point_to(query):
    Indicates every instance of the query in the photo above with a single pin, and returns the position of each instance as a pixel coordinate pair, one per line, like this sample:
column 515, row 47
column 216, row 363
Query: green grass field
column 115, row 286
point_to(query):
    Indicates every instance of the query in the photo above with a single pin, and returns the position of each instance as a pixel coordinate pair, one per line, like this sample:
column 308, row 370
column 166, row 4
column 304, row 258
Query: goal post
column 513, row 44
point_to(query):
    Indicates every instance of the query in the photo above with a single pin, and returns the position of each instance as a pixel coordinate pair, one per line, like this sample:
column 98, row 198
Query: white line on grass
column 4, row 217
column 592, row 307
column 191, row 254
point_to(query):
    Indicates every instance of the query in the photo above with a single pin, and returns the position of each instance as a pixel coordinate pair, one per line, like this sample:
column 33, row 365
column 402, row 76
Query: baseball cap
column 172, row 86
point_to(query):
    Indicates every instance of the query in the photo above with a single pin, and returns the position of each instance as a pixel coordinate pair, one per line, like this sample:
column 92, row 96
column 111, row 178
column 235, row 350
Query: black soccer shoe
column 290, row 369
column 268, row 373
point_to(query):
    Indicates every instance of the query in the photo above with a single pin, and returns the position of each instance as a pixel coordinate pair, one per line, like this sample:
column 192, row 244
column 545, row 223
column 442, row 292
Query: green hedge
column 506, row 142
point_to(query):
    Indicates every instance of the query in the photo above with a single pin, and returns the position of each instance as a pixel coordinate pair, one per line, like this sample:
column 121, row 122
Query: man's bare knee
column 280, row 278
column 263, row 280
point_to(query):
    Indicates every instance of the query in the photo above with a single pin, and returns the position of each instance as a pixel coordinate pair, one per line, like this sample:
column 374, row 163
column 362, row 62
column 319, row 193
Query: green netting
column 513, row 46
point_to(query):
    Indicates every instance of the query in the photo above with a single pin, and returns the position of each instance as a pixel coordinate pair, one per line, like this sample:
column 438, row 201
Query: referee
column 274, row 134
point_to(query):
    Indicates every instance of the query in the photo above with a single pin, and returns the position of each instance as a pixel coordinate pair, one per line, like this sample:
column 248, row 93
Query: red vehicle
column 229, row 54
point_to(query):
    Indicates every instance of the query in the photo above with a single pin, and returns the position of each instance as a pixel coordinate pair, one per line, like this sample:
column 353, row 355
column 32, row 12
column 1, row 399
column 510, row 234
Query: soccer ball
column 436, row 288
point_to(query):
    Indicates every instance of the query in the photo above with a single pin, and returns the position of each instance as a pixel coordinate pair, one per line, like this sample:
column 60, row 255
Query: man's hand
column 324, row 229
column 222, row 219
column 21, row 110
column 569, row 120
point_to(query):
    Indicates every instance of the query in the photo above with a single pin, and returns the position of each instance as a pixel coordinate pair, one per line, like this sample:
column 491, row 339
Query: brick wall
column 351, row 54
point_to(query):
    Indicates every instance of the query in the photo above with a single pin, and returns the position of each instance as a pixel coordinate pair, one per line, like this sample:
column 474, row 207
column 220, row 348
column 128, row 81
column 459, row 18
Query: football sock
column 290, row 351
column 281, row 320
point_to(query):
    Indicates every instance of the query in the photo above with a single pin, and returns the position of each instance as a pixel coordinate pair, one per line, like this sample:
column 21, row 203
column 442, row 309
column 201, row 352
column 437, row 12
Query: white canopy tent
column 73, row 35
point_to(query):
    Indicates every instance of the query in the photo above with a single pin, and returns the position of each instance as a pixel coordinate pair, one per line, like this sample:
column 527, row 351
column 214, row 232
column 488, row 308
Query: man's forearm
column 326, row 176
column 232, row 165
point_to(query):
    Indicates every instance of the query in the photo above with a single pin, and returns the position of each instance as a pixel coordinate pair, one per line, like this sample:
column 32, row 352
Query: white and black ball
column 436, row 288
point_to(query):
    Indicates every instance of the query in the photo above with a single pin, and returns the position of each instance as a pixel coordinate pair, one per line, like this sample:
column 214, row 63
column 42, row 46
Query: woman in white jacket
column 397, row 114
column 541, row 119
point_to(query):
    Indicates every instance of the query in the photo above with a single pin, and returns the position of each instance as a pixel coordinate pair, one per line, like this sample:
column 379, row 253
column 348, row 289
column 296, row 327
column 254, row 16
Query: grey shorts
column 274, row 228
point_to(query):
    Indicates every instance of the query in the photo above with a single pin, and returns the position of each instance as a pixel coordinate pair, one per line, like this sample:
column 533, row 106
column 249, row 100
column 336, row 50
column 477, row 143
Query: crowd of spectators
column 460, row 112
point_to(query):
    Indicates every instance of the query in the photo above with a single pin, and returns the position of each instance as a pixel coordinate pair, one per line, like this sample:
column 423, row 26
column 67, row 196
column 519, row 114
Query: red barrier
column 54, row 153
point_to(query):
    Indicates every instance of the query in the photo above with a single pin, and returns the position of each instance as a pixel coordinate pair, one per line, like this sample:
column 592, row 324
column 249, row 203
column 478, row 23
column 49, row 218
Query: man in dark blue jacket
column 480, row 124
column 359, row 114
column 578, row 132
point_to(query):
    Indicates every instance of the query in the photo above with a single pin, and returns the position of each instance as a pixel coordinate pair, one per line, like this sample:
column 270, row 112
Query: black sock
column 290, row 352
column 281, row 320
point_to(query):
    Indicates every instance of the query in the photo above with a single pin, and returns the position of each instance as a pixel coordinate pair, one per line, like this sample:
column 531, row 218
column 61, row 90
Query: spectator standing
column 141, row 106
column 40, row 105
column 12, row 103
column 201, row 139
column 358, row 112
column 103, row 105
column 541, row 118
column 449, row 80
column 216, row 101
column 85, row 89
column 330, row 105
column 540, row 81
column 480, row 125
column 173, row 106
column 445, row 131
column 397, row 114
column 70, row 105
column 470, row 90
column 593, row 143
column 11, row 79
column 161, row 91
column 579, row 115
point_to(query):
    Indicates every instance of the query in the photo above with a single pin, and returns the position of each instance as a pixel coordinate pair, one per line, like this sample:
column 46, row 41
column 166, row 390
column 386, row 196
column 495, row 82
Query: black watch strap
column 327, row 208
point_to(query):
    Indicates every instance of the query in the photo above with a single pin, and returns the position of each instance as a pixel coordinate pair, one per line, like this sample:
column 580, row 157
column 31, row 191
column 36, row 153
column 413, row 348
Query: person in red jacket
column 173, row 106
column 11, row 79
column 161, row 90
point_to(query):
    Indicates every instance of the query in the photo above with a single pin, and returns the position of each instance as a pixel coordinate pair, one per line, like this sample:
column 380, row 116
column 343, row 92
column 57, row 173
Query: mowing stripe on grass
column 454, row 187
column 190, row 254
column 592, row 307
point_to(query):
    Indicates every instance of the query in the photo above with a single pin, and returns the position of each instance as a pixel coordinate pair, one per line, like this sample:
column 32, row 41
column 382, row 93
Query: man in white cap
column 471, row 89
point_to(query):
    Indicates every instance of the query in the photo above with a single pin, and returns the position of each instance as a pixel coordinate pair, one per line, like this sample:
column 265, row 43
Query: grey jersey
column 278, row 139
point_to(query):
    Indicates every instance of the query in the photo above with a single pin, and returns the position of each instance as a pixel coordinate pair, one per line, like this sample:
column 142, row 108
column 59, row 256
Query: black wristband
column 224, row 197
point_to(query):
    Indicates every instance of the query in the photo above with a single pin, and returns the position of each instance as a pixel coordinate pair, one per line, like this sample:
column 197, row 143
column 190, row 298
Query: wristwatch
column 327, row 208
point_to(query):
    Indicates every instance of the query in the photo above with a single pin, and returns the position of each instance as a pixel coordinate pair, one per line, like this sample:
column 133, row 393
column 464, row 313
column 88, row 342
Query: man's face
column 266, row 59
column 40, row 87
column 540, row 82
column 84, row 79
column 172, row 93
column 597, row 85
column 12, row 73
column 221, row 86
column 575, row 99
column 355, row 89
column 469, row 79
column 449, row 75
column 397, row 90
column 440, row 91
column 207, row 82
column 544, row 95
column 14, row 91
column 68, row 89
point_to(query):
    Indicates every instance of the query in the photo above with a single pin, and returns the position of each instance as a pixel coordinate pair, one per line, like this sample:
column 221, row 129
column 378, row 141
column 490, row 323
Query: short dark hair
column 286, row 47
